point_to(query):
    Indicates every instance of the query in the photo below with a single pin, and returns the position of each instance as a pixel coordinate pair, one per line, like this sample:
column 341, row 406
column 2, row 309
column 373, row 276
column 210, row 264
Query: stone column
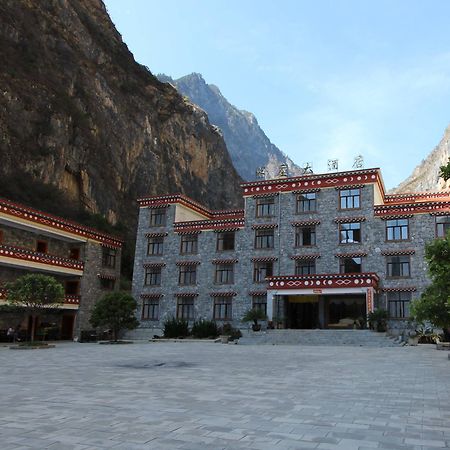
column 270, row 298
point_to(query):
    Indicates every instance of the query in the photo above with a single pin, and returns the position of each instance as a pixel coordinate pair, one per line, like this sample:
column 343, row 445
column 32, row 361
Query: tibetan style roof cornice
column 264, row 259
column 257, row 292
column 399, row 289
column 196, row 225
column 187, row 263
column 153, row 264
column 398, row 252
column 40, row 218
column 224, row 261
column 306, row 191
column 264, row 226
column 416, row 197
column 312, row 181
column 166, row 200
column 320, row 281
column 305, row 223
column 349, row 219
column 153, row 295
column 152, row 235
column 349, row 186
column 223, row 294
column 106, row 276
column 350, row 255
column 305, row 257
column 412, row 208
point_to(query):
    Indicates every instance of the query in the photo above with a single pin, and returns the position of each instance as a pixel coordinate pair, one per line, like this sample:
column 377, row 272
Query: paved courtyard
column 210, row 396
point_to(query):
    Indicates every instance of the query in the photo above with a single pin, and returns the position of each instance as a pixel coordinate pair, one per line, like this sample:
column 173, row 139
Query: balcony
column 28, row 259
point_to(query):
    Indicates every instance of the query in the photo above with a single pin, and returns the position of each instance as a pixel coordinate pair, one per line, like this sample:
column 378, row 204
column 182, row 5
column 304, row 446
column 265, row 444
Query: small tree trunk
column 115, row 334
column 33, row 327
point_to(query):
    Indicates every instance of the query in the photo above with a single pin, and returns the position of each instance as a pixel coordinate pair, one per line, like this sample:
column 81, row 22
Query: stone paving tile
column 212, row 397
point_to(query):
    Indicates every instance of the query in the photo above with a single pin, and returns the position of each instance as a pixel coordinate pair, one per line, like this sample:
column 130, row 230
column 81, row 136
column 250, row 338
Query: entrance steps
column 357, row 338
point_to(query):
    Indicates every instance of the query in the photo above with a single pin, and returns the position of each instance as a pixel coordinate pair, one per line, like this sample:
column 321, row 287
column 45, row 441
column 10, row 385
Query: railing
column 23, row 254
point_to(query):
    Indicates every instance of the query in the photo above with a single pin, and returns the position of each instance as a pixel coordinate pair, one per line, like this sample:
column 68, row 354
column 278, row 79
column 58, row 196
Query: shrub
column 205, row 329
column 174, row 328
column 228, row 330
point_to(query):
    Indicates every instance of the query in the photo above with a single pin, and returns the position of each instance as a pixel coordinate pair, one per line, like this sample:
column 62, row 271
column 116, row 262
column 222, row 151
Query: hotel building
column 316, row 251
column 86, row 262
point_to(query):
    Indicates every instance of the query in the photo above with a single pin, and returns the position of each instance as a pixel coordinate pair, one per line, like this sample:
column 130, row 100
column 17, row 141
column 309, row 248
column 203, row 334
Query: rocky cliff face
column 77, row 113
column 425, row 176
column 249, row 147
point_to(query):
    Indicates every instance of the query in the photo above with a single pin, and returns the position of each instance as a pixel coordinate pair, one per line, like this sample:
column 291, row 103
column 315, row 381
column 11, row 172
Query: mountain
column 85, row 130
column 247, row 143
column 425, row 176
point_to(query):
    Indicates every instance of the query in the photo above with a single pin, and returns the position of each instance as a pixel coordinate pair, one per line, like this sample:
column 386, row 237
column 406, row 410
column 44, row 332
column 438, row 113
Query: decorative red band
column 42, row 258
column 39, row 217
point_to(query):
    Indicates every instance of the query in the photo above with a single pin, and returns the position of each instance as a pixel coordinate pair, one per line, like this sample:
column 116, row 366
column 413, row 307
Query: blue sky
column 325, row 79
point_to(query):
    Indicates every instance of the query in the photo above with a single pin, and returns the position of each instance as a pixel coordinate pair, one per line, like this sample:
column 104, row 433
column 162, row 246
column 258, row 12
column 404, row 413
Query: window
column 41, row 246
column 265, row 207
column 398, row 304
column 442, row 226
column 74, row 253
column 305, row 236
column 152, row 276
column 305, row 267
column 1, row 237
column 109, row 257
column 224, row 273
column 349, row 198
column 398, row 266
column 155, row 245
column 259, row 302
column 222, row 308
column 150, row 309
column 189, row 244
column 188, row 274
column 72, row 288
column 185, row 308
column 306, row 202
column 261, row 270
column 350, row 265
column 264, row 238
column 107, row 284
column 350, row 233
column 225, row 241
column 157, row 217
column 397, row 229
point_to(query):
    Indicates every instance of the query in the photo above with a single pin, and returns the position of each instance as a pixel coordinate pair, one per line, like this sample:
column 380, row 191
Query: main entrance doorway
column 323, row 311
column 303, row 312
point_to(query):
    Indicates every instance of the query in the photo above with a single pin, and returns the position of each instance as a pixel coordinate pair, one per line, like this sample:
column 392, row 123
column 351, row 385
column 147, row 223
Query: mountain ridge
column 247, row 143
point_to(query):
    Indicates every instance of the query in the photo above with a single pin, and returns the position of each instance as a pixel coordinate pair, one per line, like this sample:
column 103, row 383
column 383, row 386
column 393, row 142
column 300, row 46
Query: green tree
column 445, row 171
column 434, row 304
column 253, row 315
column 35, row 292
column 115, row 311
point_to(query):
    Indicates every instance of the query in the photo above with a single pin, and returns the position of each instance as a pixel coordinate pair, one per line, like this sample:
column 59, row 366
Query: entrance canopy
column 322, row 285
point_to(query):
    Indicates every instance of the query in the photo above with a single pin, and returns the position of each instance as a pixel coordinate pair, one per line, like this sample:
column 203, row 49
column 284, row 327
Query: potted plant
column 378, row 320
column 253, row 315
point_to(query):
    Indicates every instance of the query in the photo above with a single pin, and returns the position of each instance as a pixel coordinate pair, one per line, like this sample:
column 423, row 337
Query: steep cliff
column 425, row 176
column 79, row 113
column 82, row 122
column 247, row 143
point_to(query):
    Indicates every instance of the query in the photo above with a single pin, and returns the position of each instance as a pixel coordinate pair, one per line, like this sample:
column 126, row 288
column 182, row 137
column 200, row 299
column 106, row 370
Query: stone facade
column 76, row 256
column 346, row 224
